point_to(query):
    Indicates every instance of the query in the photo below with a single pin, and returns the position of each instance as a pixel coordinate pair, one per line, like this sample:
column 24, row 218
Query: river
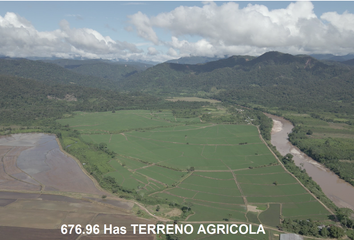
column 336, row 189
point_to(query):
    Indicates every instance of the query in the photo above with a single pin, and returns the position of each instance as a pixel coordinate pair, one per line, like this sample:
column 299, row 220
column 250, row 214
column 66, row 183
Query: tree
column 102, row 146
column 309, row 132
column 324, row 232
column 288, row 158
column 158, row 208
column 336, row 232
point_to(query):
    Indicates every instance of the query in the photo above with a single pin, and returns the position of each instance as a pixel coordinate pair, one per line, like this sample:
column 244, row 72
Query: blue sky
column 159, row 31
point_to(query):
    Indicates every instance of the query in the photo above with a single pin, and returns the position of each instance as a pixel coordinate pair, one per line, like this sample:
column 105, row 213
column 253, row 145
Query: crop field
column 192, row 99
column 270, row 216
column 223, row 171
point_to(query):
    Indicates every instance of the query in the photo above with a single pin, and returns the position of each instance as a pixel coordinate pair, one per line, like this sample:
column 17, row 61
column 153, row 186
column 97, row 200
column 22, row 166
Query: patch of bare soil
column 126, row 236
column 174, row 212
column 21, row 233
column 5, row 202
column 68, row 97
column 192, row 99
column 253, row 208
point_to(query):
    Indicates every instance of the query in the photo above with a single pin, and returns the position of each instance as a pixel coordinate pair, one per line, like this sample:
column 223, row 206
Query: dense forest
column 52, row 74
column 23, row 101
column 114, row 71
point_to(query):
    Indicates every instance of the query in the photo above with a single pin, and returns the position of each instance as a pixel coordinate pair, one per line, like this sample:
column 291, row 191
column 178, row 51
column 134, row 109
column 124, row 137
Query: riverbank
column 336, row 189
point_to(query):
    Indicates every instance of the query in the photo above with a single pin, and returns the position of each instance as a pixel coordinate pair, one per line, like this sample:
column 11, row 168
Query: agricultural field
column 224, row 172
column 192, row 99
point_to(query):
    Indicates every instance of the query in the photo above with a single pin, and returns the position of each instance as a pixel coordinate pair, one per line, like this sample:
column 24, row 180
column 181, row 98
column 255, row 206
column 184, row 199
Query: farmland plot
column 222, row 171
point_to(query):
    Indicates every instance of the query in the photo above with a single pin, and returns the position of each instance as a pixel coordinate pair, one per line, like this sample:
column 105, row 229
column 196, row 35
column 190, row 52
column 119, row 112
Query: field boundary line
column 90, row 222
column 17, row 179
column 313, row 195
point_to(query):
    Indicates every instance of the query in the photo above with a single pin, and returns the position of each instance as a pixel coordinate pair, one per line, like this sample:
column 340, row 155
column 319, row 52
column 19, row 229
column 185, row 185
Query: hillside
column 331, row 57
column 51, row 74
column 26, row 100
column 102, row 68
column 272, row 79
column 194, row 60
column 349, row 62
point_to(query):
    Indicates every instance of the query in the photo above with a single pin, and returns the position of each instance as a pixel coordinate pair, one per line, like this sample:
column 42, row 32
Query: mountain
column 272, row 79
column 268, row 69
column 349, row 62
column 68, row 63
column 52, row 74
column 101, row 68
column 194, row 60
column 331, row 57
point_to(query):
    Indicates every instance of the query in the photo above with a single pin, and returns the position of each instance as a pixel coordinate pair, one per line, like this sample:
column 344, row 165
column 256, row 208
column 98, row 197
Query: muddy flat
column 20, row 233
column 35, row 162
column 42, row 188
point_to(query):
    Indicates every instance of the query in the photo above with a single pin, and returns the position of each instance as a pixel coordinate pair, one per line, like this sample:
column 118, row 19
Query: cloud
column 229, row 29
column 143, row 27
column 171, row 52
column 20, row 38
column 152, row 51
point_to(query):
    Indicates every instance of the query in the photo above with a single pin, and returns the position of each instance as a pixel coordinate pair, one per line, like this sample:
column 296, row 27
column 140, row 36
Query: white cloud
column 228, row 29
column 143, row 27
column 152, row 51
column 171, row 52
column 20, row 38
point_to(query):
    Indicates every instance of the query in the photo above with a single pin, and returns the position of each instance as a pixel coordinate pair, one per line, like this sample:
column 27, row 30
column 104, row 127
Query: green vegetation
column 154, row 161
column 24, row 101
column 203, row 159
column 329, row 143
column 271, row 215
column 51, row 74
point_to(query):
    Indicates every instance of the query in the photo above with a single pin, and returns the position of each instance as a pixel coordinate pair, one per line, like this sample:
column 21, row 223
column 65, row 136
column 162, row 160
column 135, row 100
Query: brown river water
column 336, row 189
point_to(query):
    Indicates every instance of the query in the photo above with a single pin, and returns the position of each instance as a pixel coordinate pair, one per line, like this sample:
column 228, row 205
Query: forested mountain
column 349, row 62
column 73, row 63
column 273, row 79
column 25, row 100
column 331, row 57
column 194, row 60
column 101, row 68
column 52, row 74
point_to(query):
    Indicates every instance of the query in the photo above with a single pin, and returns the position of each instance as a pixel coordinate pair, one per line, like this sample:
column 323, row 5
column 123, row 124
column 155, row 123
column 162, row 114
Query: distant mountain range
column 194, row 60
column 272, row 79
column 269, row 68
column 331, row 57
column 91, row 73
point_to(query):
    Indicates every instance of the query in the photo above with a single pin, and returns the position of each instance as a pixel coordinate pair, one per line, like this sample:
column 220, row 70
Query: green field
column 216, row 168
column 270, row 216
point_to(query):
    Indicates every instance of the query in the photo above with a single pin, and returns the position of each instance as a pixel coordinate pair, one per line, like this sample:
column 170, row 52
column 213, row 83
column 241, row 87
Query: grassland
column 222, row 171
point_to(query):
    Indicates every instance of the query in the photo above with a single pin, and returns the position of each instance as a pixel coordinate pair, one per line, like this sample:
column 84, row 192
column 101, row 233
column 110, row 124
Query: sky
column 159, row 31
